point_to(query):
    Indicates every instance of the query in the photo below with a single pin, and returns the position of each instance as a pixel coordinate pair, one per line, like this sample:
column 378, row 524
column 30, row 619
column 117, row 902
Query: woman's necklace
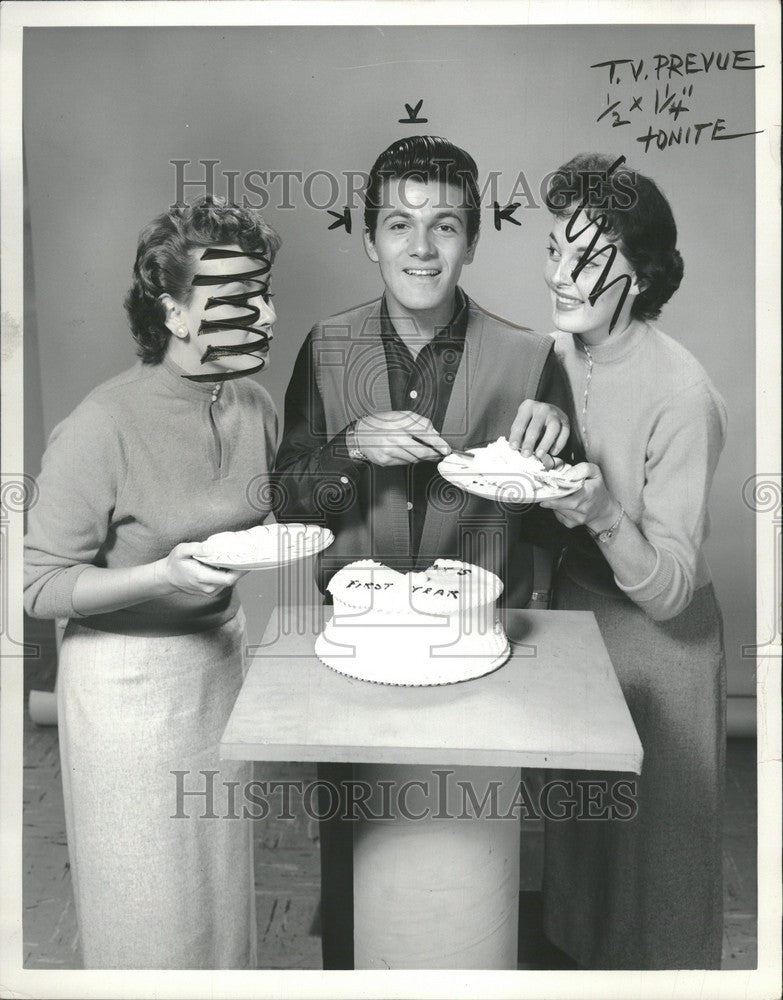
column 588, row 378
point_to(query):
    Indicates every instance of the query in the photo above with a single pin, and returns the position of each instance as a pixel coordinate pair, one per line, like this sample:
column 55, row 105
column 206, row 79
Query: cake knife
column 465, row 455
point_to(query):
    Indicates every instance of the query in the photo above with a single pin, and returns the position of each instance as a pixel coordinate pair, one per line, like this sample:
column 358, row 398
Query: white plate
column 509, row 487
column 265, row 546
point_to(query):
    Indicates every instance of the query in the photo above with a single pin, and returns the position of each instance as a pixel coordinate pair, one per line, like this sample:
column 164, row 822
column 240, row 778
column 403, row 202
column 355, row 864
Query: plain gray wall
column 106, row 109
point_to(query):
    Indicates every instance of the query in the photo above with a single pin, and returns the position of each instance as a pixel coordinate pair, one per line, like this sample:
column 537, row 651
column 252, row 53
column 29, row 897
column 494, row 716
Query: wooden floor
column 287, row 866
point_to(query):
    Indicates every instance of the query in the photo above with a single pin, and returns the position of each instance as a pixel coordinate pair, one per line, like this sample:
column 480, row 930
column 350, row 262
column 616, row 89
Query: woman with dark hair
column 145, row 468
column 642, row 893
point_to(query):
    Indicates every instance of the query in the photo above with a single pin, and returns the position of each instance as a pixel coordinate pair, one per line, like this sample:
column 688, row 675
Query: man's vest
column 501, row 366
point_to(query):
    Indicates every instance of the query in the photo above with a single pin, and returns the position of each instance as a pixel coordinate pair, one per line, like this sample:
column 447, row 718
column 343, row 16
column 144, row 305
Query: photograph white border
column 763, row 982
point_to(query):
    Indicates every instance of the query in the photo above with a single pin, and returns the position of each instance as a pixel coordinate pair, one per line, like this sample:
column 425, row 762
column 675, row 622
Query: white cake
column 438, row 626
column 498, row 461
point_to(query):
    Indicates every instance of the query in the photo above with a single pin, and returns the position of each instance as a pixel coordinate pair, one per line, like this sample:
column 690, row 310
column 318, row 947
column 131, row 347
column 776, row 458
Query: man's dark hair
column 424, row 158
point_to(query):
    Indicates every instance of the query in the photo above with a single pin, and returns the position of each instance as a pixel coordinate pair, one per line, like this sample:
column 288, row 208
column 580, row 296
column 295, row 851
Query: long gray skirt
column 156, row 885
column 647, row 893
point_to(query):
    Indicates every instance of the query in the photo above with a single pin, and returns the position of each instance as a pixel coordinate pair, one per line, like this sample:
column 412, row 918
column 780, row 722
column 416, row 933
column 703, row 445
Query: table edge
column 621, row 763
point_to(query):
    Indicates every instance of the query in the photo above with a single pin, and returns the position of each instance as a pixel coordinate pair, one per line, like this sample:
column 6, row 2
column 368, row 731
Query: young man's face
column 421, row 245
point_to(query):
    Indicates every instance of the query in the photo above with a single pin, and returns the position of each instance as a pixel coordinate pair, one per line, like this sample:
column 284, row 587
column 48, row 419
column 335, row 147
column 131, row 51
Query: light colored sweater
column 146, row 461
column 655, row 424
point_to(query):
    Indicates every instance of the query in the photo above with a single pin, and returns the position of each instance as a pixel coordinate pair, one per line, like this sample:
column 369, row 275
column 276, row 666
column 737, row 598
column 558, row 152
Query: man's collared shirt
column 423, row 385
column 307, row 457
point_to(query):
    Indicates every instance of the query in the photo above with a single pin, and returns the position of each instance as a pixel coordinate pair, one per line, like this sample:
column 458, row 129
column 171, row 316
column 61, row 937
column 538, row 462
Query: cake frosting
column 437, row 626
column 496, row 461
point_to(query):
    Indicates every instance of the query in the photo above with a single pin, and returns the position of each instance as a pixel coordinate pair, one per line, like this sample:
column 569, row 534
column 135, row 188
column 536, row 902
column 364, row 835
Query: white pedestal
column 431, row 890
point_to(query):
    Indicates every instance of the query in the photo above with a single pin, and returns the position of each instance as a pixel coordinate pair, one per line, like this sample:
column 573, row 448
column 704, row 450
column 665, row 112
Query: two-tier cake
column 438, row 626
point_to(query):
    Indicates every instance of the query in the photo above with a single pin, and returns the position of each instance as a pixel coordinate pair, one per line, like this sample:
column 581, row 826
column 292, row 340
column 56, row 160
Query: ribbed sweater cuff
column 658, row 581
column 58, row 593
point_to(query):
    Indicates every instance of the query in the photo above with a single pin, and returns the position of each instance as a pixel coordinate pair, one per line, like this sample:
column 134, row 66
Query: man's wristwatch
column 608, row 533
column 354, row 451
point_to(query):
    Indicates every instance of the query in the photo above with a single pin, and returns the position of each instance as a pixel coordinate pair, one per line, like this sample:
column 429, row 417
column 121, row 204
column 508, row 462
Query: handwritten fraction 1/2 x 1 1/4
column 672, row 95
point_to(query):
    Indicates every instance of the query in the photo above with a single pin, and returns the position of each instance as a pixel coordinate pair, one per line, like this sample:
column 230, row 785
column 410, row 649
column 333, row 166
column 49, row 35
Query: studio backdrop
column 121, row 122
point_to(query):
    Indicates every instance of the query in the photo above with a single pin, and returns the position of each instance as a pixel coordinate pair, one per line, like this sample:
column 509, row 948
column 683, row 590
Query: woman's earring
column 181, row 331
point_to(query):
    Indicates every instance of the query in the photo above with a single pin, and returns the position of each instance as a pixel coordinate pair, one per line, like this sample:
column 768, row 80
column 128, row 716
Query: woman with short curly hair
column 151, row 463
column 645, row 892
column 165, row 261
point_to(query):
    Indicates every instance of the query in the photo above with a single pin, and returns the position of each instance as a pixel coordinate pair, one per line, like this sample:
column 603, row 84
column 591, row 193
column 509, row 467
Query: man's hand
column 389, row 438
column 539, row 428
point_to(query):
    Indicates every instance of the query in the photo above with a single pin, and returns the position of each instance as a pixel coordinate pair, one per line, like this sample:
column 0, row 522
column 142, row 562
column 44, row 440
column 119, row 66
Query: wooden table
column 451, row 884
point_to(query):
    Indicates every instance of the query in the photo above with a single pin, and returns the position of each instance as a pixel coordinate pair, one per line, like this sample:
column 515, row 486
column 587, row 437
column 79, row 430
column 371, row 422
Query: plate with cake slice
column 264, row 546
column 497, row 471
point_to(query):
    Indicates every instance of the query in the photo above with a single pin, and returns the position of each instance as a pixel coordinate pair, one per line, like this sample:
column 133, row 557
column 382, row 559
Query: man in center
column 381, row 393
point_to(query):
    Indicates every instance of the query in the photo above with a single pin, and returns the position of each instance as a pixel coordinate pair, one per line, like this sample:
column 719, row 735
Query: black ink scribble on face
column 258, row 277
column 601, row 224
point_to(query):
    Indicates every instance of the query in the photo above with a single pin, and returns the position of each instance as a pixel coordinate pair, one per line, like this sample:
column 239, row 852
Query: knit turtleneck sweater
column 146, row 461
column 652, row 420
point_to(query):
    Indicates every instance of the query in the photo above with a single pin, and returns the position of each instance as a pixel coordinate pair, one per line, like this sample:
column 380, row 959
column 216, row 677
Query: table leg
column 436, row 893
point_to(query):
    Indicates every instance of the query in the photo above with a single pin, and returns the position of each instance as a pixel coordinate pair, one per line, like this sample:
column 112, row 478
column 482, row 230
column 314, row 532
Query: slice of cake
column 498, row 461
column 438, row 626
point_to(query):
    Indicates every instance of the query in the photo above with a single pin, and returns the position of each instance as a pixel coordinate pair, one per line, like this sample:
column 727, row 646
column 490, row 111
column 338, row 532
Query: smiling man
column 379, row 394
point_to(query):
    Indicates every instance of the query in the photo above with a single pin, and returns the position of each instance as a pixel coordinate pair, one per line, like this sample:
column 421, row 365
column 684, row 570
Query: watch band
column 608, row 533
column 354, row 451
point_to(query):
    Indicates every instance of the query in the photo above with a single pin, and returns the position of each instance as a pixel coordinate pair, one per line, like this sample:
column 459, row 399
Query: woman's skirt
column 647, row 893
column 161, row 858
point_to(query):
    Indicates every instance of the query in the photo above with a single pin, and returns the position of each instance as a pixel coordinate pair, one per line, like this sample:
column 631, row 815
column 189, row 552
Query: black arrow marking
column 341, row 220
column 504, row 214
column 412, row 113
